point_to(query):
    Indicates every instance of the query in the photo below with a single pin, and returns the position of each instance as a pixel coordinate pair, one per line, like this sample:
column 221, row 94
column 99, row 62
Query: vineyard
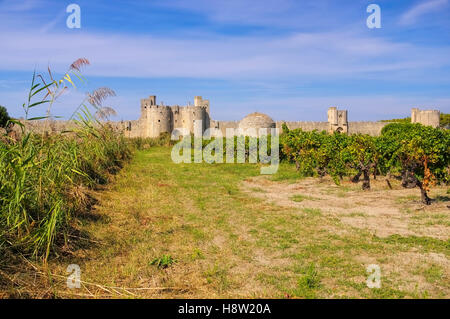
column 416, row 154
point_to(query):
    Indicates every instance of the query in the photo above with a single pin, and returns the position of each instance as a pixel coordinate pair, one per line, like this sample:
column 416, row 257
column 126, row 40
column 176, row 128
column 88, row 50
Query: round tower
column 159, row 120
column 190, row 114
column 425, row 117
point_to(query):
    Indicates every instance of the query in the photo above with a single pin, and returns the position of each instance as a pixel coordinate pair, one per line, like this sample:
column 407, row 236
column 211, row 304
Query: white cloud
column 301, row 54
column 242, row 11
column 412, row 15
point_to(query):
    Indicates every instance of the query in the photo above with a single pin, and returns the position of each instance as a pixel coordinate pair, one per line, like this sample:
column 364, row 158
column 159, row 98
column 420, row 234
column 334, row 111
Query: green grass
column 356, row 214
column 230, row 244
column 307, row 284
column 164, row 261
column 407, row 199
column 427, row 243
column 286, row 172
column 300, row 198
column 312, row 211
column 433, row 274
column 257, row 190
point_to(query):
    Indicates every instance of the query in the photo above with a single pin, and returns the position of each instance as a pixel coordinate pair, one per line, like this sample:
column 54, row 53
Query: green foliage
column 421, row 154
column 4, row 117
column 444, row 120
column 162, row 262
column 142, row 143
column 318, row 153
column 302, row 148
column 45, row 179
column 44, row 182
column 308, row 283
column 244, row 149
column 404, row 120
column 412, row 146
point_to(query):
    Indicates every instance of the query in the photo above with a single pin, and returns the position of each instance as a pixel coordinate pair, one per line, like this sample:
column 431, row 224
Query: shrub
column 164, row 261
column 4, row 117
column 45, row 179
column 420, row 154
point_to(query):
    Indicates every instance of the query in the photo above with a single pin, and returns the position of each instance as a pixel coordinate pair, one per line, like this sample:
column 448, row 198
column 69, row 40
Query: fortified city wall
column 158, row 118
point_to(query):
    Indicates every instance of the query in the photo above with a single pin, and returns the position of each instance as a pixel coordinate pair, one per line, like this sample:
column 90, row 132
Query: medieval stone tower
column 156, row 119
column 337, row 120
column 425, row 117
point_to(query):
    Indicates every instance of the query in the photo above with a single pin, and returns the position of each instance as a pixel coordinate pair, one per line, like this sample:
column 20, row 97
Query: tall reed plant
column 45, row 179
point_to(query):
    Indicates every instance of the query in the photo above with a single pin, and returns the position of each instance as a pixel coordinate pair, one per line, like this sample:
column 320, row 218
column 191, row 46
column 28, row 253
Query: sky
column 291, row 59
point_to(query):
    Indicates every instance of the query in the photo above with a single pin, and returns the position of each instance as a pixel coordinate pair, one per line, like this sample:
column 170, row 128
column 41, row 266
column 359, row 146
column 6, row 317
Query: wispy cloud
column 414, row 13
column 313, row 54
column 269, row 13
column 291, row 59
column 52, row 23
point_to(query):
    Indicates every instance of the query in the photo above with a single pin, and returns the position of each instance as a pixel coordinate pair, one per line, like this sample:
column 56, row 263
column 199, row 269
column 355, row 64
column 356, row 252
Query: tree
column 420, row 153
column 444, row 120
column 362, row 154
column 4, row 117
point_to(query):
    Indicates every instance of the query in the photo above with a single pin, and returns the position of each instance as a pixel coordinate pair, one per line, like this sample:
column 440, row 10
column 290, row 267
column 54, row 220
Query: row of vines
column 418, row 155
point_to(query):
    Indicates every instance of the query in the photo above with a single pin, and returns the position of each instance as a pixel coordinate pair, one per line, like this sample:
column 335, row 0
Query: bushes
column 141, row 143
column 45, row 179
column 420, row 154
column 44, row 182
column 4, row 117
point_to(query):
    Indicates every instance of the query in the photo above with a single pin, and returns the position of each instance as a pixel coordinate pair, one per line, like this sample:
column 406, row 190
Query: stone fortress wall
column 156, row 119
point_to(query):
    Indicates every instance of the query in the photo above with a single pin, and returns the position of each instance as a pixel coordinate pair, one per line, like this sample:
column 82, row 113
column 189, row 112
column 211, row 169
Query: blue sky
column 291, row 59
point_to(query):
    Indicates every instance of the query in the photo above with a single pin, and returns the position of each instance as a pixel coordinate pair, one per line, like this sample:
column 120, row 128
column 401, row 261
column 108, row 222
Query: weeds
column 45, row 179
column 308, row 283
column 300, row 198
column 163, row 262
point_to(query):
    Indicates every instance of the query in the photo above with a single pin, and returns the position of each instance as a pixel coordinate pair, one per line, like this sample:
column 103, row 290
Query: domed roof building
column 251, row 124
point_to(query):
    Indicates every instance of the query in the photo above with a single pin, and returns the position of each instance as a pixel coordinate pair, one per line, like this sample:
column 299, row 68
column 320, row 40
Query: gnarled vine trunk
column 366, row 180
column 355, row 178
column 423, row 194
column 408, row 179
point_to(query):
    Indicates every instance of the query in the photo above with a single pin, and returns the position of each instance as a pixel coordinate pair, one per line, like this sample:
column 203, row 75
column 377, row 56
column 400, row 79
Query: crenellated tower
column 156, row 119
column 425, row 117
column 337, row 120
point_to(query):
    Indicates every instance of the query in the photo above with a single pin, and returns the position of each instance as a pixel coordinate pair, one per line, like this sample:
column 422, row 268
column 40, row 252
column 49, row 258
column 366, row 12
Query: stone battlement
column 156, row 119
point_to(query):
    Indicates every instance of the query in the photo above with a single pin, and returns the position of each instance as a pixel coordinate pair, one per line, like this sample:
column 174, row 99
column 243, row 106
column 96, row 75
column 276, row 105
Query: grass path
column 168, row 230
